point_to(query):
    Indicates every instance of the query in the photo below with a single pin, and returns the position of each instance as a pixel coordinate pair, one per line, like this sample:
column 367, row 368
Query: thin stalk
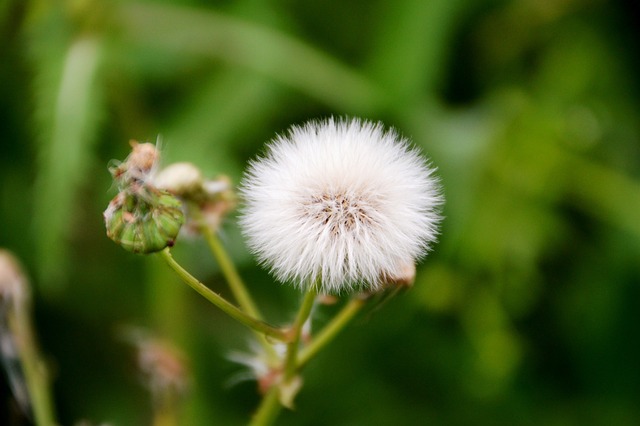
column 268, row 410
column 290, row 366
column 221, row 303
column 165, row 414
column 34, row 370
column 330, row 331
column 272, row 401
column 229, row 271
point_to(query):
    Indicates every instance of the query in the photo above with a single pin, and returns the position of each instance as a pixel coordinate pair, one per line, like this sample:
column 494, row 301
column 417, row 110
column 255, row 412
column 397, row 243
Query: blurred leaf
column 66, row 145
column 215, row 117
column 253, row 46
column 411, row 46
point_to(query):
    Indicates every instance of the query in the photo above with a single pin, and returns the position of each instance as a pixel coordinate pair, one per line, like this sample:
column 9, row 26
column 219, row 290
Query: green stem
column 221, row 303
column 330, row 330
column 229, row 271
column 165, row 414
column 268, row 409
column 34, row 370
column 271, row 403
column 290, row 366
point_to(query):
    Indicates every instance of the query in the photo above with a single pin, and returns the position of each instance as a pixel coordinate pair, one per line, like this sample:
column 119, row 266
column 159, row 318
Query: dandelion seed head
column 344, row 202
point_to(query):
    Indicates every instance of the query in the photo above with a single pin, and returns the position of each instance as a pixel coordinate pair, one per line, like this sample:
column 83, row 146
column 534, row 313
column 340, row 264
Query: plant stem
column 268, row 409
column 34, row 369
column 165, row 414
column 272, row 401
column 221, row 303
column 291, row 365
column 229, row 271
column 330, row 330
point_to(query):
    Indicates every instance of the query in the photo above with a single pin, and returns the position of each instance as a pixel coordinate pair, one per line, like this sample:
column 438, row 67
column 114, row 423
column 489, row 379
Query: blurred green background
column 525, row 313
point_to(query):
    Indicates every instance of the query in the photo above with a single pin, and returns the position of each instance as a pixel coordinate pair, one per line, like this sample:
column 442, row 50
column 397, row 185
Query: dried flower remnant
column 14, row 291
column 138, row 167
column 340, row 201
column 26, row 370
column 403, row 278
column 14, row 296
column 260, row 366
column 163, row 366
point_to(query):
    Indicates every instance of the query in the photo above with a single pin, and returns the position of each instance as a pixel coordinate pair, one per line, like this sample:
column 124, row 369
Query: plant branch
column 220, row 302
column 290, row 366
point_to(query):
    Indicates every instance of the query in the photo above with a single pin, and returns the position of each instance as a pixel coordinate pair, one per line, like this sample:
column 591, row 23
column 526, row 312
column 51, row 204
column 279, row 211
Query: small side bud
column 221, row 199
column 181, row 179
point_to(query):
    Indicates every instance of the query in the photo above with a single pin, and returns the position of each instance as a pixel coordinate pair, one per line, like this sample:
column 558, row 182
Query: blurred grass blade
column 66, row 143
column 279, row 56
column 409, row 55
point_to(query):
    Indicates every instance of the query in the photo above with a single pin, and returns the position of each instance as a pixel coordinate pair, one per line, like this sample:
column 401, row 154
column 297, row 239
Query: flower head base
column 342, row 202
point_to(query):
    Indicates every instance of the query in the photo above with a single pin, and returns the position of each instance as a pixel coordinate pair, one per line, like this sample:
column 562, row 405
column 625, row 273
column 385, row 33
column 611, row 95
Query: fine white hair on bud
column 340, row 202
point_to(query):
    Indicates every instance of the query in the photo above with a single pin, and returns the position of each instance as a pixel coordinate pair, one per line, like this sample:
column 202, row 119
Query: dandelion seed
column 340, row 201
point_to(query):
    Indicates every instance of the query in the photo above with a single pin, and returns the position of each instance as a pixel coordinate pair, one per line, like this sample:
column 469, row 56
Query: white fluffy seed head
column 339, row 202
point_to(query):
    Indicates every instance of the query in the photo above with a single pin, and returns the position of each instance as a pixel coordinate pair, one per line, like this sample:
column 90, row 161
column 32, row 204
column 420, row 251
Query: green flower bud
column 144, row 223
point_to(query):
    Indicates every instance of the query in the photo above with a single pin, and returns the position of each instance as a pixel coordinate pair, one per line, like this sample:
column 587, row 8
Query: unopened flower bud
column 181, row 179
column 144, row 224
column 218, row 187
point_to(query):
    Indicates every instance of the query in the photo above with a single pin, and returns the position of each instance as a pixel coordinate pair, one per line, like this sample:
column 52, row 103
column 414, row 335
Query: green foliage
column 525, row 312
